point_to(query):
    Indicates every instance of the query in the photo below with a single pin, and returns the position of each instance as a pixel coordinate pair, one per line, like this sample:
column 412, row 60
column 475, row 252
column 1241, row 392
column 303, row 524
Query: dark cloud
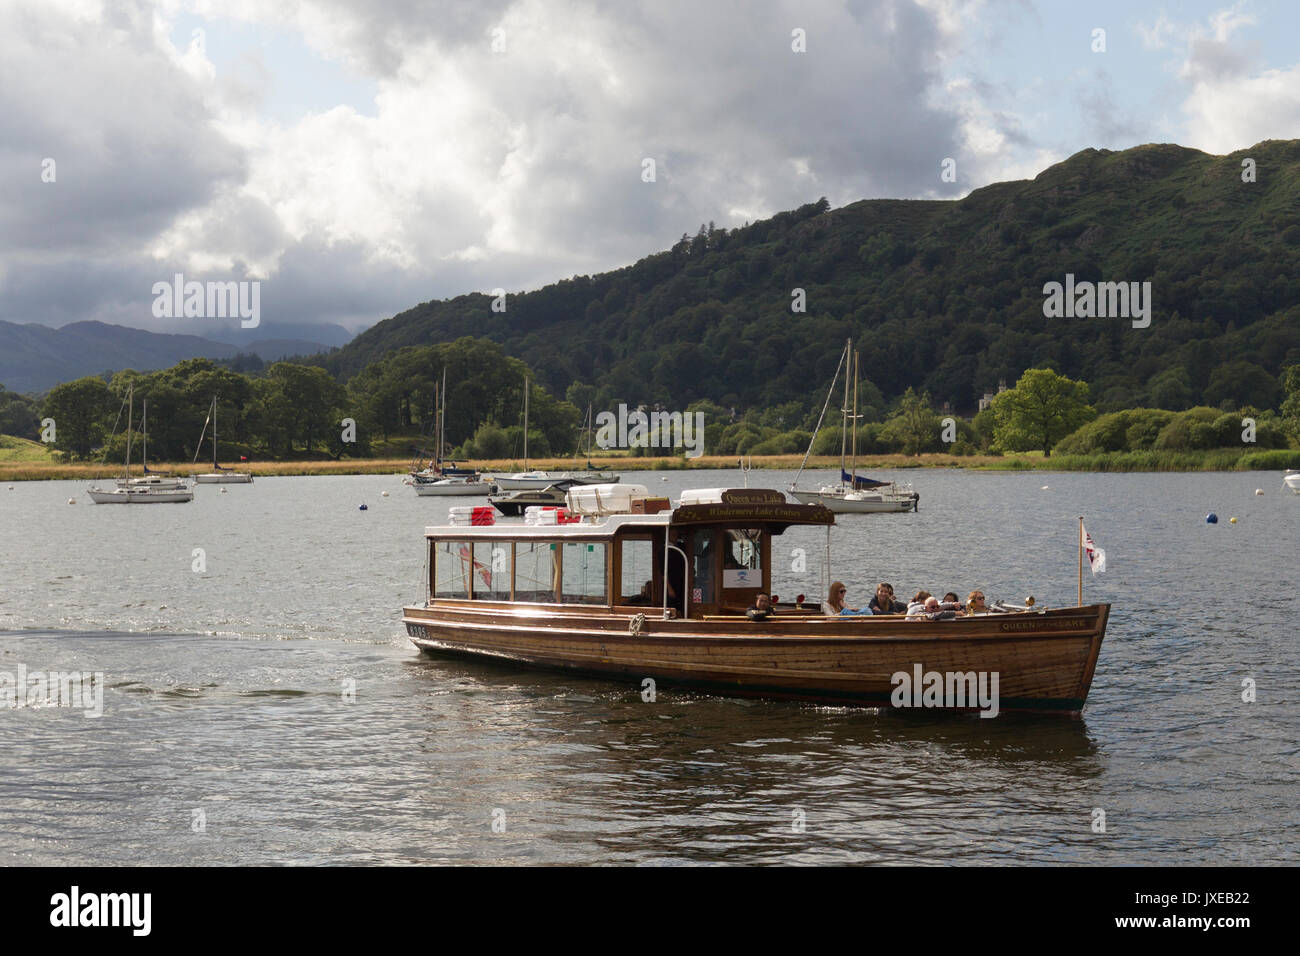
column 547, row 178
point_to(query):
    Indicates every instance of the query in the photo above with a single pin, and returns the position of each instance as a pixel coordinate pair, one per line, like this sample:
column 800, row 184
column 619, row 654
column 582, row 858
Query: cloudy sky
column 361, row 156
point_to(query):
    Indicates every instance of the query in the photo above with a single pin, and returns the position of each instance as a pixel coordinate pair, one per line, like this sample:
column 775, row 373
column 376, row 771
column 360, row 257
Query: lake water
column 228, row 735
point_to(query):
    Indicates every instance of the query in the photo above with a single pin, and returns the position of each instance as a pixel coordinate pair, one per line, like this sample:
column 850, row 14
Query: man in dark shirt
column 761, row 610
column 884, row 603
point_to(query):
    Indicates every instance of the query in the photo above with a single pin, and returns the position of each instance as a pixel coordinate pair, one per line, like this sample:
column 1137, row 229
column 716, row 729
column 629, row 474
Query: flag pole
column 1080, row 604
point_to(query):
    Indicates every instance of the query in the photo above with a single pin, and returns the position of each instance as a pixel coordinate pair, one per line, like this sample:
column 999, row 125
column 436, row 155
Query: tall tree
column 81, row 410
column 1042, row 409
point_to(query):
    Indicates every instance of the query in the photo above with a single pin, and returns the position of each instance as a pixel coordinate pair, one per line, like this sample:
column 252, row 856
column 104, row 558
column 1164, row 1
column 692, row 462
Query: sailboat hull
column 453, row 487
column 230, row 478
column 140, row 496
column 535, row 481
column 858, row 502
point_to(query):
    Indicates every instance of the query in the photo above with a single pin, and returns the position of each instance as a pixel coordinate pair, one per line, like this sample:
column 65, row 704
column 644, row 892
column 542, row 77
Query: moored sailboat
column 155, row 490
column 219, row 475
column 151, row 479
column 855, row 494
column 525, row 480
column 442, row 477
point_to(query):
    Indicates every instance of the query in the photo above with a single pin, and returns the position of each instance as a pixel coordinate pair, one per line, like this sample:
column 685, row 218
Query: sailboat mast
column 436, row 463
column 130, row 398
column 144, row 455
column 855, row 419
column 844, row 411
column 525, row 423
column 589, row 430
column 442, row 418
column 214, row 433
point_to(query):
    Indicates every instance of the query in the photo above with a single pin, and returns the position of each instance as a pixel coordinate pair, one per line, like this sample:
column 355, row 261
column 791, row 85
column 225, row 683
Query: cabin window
column 742, row 558
column 451, row 569
column 702, row 579
column 584, row 573
column 636, row 578
column 492, row 570
column 535, row 568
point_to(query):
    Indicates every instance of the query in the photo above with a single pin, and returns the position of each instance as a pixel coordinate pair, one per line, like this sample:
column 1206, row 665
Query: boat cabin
column 711, row 555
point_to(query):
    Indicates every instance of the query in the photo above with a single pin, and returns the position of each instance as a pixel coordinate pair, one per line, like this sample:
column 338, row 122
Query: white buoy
column 223, row 491
column 1044, row 488
column 664, row 478
column 72, row 501
column 1259, row 491
column 385, row 494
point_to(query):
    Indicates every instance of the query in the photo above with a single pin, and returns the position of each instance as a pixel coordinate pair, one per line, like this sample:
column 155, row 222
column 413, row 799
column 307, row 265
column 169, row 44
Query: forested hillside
column 943, row 296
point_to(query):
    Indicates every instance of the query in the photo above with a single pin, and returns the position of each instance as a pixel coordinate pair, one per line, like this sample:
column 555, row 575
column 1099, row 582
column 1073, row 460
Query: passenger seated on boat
column 951, row 603
column 884, row 603
column 975, row 603
column 762, row 608
column 834, row 604
column 916, row 607
column 931, row 611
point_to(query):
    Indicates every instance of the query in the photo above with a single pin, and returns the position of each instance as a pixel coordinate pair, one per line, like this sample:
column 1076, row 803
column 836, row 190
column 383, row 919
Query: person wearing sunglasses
column 834, row 605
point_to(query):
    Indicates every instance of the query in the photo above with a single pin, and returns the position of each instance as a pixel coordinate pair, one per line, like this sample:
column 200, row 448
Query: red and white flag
column 1096, row 556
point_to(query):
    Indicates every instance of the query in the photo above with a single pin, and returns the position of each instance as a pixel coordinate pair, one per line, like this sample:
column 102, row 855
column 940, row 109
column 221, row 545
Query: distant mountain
column 35, row 358
column 945, row 296
column 326, row 334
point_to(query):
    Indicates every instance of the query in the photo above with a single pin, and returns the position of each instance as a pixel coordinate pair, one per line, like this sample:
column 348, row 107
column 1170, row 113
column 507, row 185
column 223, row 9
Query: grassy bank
column 34, row 469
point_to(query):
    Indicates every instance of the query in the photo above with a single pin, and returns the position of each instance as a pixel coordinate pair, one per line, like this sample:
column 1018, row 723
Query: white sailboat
column 435, row 480
column 129, row 493
column 853, row 494
column 1292, row 481
column 149, row 479
column 527, row 480
column 219, row 475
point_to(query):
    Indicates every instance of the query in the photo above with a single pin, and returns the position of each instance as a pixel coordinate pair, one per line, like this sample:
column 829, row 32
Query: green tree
column 82, row 411
column 18, row 415
column 915, row 427
column 314, row 397
column 1042, row 409
column 1291, row 404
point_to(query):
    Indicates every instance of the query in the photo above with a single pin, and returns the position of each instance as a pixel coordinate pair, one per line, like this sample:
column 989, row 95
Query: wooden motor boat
column 630, row 596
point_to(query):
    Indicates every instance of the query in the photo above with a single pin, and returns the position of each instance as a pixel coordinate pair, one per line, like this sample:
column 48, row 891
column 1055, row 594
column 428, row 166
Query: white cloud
column 1230, row 103
column 1229, row 114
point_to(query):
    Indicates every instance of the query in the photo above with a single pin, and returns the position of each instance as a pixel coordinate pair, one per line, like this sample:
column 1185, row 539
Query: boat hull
column 1293, row 482
column 846, row 504
column 232, row 478
column 148, row 496
column 1044, row 662
column 517, row 483
column 438, row 488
